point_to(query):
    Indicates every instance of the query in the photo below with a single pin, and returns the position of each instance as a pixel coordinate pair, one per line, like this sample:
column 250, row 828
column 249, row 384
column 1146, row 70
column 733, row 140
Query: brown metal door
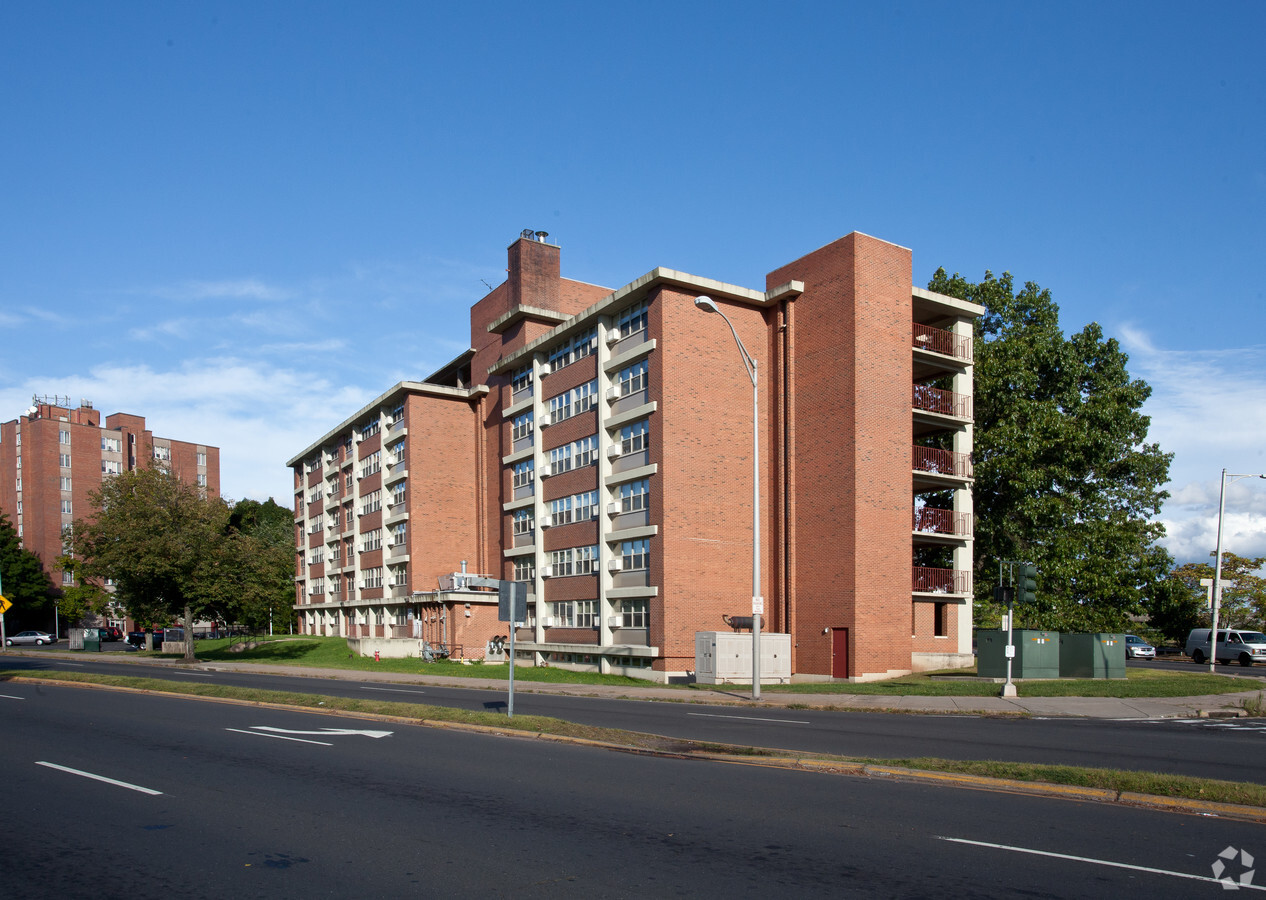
column 839, row 652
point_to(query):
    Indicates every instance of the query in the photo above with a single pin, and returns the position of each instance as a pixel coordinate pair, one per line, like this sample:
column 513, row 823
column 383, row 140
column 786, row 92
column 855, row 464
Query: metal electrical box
column 1092, row 656
column 725, row 657
column 1037, row 654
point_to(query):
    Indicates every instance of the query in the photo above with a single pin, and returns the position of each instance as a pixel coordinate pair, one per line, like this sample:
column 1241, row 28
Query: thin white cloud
column 230, row 289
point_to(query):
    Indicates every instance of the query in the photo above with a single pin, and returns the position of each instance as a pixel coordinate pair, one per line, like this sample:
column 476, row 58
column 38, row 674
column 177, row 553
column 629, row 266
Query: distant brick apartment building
column 596, row 445
column 54, row 455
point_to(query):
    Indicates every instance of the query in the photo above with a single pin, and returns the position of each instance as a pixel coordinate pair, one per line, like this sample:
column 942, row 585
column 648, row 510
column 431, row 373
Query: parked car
column 1137, row 648
column 1244, row 647
column 30, row 637
column 112, row 633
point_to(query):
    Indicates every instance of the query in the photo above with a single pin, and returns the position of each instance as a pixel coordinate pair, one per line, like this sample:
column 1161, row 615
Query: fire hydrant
column 375, row 656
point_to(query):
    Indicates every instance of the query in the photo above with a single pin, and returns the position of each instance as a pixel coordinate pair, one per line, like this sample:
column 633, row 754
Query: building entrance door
column 839, row 652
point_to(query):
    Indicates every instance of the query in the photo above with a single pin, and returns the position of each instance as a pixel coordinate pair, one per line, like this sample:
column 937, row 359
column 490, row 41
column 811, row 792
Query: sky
column 245, row 220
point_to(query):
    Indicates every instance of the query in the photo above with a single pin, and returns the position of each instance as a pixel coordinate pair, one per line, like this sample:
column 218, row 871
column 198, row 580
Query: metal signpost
column 512, row 608
column 1025, row 591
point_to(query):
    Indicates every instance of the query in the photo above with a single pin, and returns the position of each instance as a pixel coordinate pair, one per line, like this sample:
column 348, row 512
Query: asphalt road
column 1204, row 748
column 208, row 800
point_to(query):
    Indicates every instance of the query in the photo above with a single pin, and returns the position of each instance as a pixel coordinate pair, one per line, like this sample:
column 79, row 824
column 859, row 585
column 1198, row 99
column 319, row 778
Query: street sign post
column 512, row 608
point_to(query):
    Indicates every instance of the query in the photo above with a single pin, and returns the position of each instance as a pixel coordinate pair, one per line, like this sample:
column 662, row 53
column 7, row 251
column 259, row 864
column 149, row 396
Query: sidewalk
column 737, row 695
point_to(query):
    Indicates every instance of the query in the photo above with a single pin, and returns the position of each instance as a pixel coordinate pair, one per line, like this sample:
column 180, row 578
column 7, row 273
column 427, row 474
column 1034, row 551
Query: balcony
column 940, row 581
column 937, row 340
column 941, row 462
column 942, row 521
column 946, row 403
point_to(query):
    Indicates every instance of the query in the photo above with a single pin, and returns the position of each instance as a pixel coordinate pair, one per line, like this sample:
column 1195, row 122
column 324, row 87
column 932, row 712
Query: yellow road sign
column 4, row 605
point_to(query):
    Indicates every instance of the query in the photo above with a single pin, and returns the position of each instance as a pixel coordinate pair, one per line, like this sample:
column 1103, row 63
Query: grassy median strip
column 1175, row 786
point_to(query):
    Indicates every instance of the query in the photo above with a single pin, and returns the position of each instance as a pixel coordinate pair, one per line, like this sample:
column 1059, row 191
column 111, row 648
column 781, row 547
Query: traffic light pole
column 1008, row 689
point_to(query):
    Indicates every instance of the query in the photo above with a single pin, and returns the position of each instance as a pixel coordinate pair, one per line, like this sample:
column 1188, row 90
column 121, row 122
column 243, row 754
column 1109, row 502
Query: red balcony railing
column 938, row 401
column 942, row 521
column 941, row 581
column 942, row 462
column 938, row 340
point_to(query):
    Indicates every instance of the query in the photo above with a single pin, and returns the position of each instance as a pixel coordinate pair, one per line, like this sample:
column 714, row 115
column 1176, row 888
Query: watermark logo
column 1226, row 861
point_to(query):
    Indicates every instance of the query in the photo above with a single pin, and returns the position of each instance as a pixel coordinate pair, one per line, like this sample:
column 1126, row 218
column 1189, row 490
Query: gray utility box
column 1036, row 654
column 1092, row 656
column 725, row 657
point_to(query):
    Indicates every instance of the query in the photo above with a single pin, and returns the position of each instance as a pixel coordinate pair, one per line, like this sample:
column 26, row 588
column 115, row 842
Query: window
column 68, row 577
column 522, row 426
column 521, row 379
column 202, row 479
column 63, row 437
column 317, row 586
column 397, row 416
column 372, row 540
column 585, row 448
column 371, row 502
column 560, row 511
column 560, row 407
column 315, row 525
column 582, row 345
column 65, row 482
column 564, row 614
column 315, row 496
column 399, row 577
column 202, row 458
column 336, row 517
column 347, row 482
column 587, row 560
column 398, row 492
column 399, row 534
column 63, row 460
column 336, row 552
column 632, row 379
column 372, row 578
column 586, row 613
column 636, row 554
column 560, row 459
column 316, row 555
column 111, row 467
column 632, row 319
column 635, row 495
column 561, row 562
column 635, row 437
column 336, row 584
column 66, row 510
column 524, row 473
column 368, row 431
column 371, row 464
column 397, row 451
column 586, row 397
column 570, row 403
column 112, row 445
column 162, row 453
column 523, row 521
column 586, row 506
column 524, row 569
column 635, row 613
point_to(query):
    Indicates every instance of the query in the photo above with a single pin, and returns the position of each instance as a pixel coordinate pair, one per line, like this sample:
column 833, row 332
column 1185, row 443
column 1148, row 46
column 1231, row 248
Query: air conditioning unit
column 544, row 420
column 613, row 508
column 545, row 521
column 614, row 451
column 616, row 565
column 331, row 525
column 547, row 571
column 549, row 621
column 545, row 471
column 613, row 392
column 612, row 336
column 615, row 621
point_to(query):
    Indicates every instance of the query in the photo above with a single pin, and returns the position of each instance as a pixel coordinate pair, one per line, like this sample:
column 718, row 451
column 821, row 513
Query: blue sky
column 245, row 220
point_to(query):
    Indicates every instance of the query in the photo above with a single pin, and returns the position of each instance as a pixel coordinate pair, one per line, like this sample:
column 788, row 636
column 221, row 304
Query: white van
column 1244, row 647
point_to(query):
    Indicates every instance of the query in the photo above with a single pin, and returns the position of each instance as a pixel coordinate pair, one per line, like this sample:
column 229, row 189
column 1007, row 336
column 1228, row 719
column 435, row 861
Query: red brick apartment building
column 53, row 456
column 597, row 445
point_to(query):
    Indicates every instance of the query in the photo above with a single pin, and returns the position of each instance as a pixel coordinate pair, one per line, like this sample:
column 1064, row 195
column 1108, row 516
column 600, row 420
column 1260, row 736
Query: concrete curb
column 803, row 764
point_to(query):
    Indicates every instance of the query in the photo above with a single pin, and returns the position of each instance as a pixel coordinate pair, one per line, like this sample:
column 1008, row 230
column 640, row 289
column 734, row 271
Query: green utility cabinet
column 1037, row 654
column 1092, row 656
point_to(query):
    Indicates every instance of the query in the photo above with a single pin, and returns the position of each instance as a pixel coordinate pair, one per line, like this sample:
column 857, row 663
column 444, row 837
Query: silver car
column 30, row 637
column 1137, row 648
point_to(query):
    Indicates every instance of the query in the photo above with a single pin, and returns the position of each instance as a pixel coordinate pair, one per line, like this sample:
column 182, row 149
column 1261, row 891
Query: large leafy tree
column 1243, row 594
column 253, row 573
column 24, row 581
column 157, row 537
column 1064, row 475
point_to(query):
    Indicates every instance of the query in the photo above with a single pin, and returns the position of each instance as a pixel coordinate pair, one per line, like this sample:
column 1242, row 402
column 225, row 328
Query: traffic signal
column 1026, row 585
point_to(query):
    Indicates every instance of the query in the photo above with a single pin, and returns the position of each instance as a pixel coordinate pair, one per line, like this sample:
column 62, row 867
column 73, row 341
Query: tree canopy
column 1243, row 596
column 1064, row 476
column 23, row 578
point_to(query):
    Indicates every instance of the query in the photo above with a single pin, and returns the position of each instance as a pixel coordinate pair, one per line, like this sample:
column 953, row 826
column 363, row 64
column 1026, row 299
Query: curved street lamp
column 708, row 305
column 1217, row 568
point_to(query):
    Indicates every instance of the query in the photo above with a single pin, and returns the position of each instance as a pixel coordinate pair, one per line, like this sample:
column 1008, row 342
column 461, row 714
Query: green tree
column 1243, row 591
column 24, row 580
column 1064, row 476
column 157, row 537
column 253, row 572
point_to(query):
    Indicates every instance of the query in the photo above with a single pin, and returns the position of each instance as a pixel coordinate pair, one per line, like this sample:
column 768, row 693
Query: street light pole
column 1217, row 568
column 758, row 602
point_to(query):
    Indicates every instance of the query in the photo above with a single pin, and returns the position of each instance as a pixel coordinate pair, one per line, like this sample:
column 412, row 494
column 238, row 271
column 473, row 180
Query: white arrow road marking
column 324, row 732
column 280, row 737
column 749, row 718
column 122, row 784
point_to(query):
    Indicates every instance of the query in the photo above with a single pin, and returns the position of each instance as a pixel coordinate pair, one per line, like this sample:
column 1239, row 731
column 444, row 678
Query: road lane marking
column 392, row 690
column 1097, row 862
column 11, row 697
column 280, row 737
column 199, row 674
column 324, row 732
column 749, row 718
column 122, row 784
